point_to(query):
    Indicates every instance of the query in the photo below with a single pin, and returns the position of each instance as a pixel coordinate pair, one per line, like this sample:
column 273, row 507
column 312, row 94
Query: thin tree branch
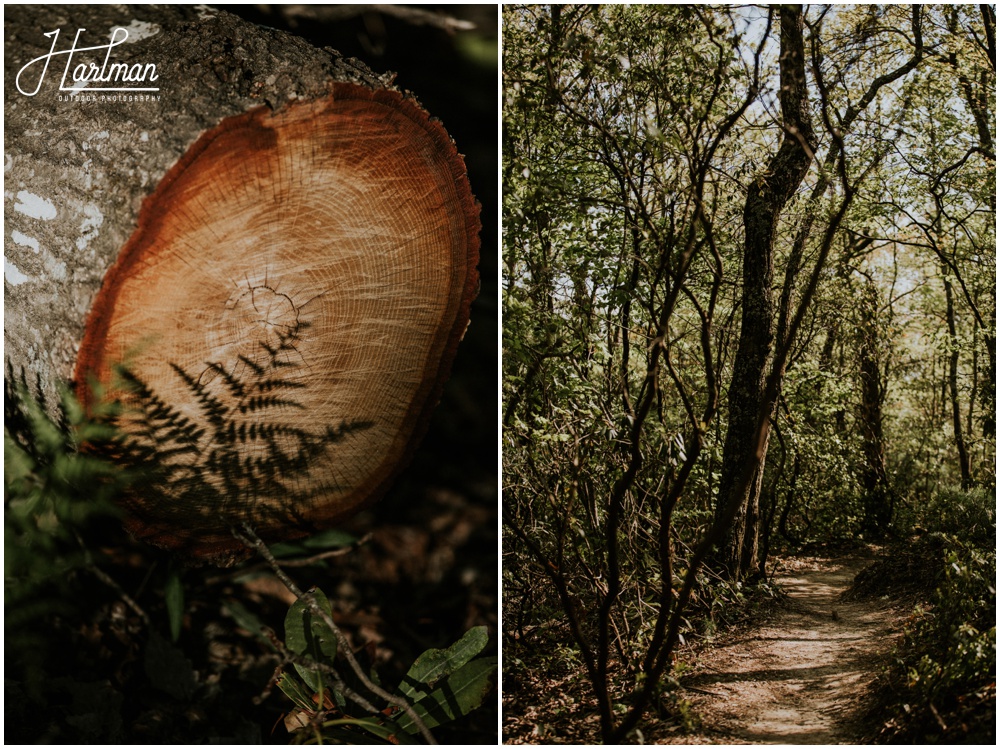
column 252, row 540
column 294, row 562
column 103, row 576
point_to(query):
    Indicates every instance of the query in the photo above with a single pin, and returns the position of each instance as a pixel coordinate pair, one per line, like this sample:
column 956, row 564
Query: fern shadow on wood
column 234, row 454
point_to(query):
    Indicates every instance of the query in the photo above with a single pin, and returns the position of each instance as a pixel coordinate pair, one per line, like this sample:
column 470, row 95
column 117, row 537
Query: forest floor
column 800, row 672
column 802, row 676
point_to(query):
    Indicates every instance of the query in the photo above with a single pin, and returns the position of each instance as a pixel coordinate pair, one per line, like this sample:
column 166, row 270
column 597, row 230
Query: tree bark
column 956, row 410
column 766, row 196
column 275, row 252
column 876, row 497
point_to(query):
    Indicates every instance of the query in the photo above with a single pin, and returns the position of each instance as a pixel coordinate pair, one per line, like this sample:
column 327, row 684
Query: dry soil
column 801, row 677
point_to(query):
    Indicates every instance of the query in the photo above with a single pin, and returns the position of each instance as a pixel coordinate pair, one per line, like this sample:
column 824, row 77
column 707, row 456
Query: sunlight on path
column 798, row 678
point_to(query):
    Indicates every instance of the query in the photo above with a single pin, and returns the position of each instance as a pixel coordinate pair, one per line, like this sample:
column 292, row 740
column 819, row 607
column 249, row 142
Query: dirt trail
column 801, row 676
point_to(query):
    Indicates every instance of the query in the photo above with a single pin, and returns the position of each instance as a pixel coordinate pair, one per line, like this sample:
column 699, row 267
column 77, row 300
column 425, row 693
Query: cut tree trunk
column 270, row 259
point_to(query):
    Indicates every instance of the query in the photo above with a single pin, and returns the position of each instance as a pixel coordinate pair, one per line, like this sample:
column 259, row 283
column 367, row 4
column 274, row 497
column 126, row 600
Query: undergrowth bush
column 970, row 515
column 720, row 604
column 943, row 679
column 86, row 662
column 46, row 514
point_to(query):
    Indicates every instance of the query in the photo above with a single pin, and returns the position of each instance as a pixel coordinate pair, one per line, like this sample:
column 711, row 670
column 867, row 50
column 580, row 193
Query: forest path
column 801, row 676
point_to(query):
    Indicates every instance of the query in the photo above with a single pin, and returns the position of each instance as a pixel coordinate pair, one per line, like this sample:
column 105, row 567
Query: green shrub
column 53, row 492
column 969, row 515
column 945, row 670
column 84, row 667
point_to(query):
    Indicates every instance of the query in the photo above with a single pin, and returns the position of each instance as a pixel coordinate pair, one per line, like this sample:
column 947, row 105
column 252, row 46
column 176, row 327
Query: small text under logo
column 86, row 73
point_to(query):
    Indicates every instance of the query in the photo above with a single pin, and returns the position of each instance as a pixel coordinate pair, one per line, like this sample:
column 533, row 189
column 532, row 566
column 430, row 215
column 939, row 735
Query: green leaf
column 434, row 664
column 17, row 464
column 295, row 691
column 246, row 620
column 174, row 594
column 308, row 635
column 389, row 732
column 49, row 439
column 71, row 406
column 342, row 735
column 332, row 539
column 479, row 49
column 462, row 693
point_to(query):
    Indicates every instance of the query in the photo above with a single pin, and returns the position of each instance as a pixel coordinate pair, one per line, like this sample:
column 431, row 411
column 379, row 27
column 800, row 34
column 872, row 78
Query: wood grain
column 337, row 237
